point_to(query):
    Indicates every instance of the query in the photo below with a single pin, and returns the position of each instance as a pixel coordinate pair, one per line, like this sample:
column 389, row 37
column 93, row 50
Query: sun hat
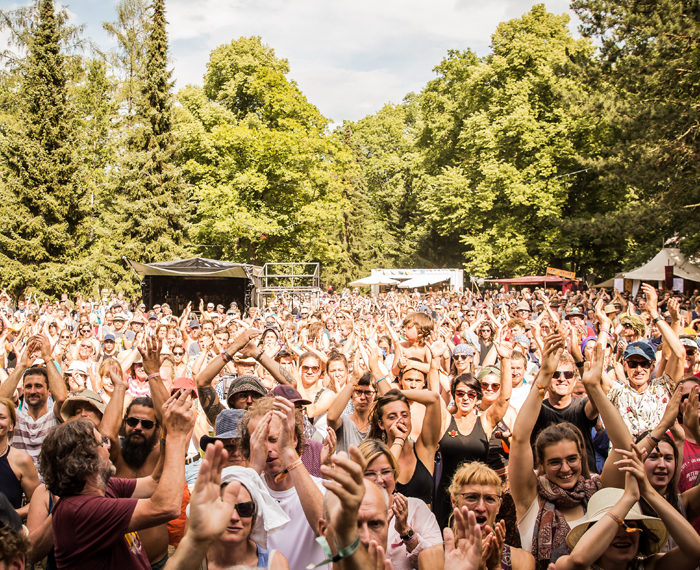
column 522, row 306
column 635, row 321
column 88, row 396
column 604, row 500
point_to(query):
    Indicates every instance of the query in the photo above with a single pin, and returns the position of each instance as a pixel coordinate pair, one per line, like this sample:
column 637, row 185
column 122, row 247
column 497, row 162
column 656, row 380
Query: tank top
column 455, row 449
column 9, row 484
column 420, row 485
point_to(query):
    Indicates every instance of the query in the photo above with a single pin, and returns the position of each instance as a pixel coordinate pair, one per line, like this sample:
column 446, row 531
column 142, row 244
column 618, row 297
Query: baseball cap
column 78, row 366
column 184, row 383
column 689, row 342
column 290, row 393
column 245, row 384
column 110, row 336
column 88, row 396
column 227, row 427
column 152, row 316
column 640, row 348
column 194, row 324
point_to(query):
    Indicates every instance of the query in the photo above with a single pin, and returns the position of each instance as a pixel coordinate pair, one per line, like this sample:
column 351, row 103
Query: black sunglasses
column 568, row 374
column 245, row 509
column 178, row 353
column 133, row 422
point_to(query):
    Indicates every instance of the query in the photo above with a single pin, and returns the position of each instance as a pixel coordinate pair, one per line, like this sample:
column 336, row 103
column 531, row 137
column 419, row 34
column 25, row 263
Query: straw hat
column 604, row 500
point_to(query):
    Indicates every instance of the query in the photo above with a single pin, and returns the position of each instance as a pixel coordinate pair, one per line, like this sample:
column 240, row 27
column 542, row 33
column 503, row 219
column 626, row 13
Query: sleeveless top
column 506, row 560
column 264, row 556
column 9, row 484
column 455, row 449
column 421, row 484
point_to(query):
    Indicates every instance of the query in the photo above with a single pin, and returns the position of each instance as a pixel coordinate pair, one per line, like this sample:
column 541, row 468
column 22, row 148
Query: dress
column 420, row 485
column 455, row 449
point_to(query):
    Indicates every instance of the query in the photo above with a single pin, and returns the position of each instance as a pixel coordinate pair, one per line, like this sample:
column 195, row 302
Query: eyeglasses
column 384, row 474
column 471, row 394
column 632, row 364
column 245, row 509
column 364, row 393
column 133, row 422
column 460, row 357
column 473, row 499
column 65, row 337
column 568, row 374
column 312, row 369
column 490, row 387
column 571, row 461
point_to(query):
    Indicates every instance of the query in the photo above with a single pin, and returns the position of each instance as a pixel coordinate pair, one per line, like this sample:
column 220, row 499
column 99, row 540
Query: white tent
column 655, row 270
column 423, row 280
column 373, row 280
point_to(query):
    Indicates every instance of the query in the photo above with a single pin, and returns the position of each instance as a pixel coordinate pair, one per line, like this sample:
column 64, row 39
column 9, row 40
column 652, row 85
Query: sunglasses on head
column 568, row 374
column 133, row 422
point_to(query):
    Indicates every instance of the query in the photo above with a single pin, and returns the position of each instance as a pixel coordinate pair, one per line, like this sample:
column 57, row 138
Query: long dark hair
column 671, row 493
column 376, row 432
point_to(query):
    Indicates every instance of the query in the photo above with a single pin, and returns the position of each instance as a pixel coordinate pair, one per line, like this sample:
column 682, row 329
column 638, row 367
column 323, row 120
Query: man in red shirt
column 96, row 519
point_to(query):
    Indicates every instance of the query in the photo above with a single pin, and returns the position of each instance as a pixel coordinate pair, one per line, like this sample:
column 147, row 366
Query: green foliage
column 42, row 197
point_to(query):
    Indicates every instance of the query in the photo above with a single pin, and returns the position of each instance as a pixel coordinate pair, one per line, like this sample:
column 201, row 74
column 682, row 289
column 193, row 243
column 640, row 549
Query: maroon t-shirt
column 91, row 531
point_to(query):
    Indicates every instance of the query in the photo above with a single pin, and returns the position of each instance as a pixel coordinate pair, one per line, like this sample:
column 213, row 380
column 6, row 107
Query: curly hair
column 423, row 322
column 259, row 408
column 12, row 544
column 68, row 457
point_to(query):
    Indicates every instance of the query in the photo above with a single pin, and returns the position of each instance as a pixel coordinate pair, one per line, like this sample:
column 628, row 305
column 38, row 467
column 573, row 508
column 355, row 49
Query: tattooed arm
column 210, row 402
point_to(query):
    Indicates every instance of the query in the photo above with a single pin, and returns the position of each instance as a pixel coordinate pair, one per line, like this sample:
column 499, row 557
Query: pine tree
column 41, row 197
column 153, row 199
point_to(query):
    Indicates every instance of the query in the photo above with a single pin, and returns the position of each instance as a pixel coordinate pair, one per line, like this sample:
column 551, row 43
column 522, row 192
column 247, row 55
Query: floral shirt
column 641, row 411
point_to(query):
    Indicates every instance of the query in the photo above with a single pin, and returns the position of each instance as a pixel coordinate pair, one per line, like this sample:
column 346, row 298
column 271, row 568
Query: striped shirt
column 29, row 433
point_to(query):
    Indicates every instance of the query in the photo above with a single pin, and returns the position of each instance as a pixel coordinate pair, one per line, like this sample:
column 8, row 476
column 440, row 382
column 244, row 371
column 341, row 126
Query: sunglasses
column 492, row 387
column 637, row 363
column 245, row 509
column 312, row 369
column 178, row 353
column 460, row 357
column 472, row 395
column 133, row 422
column 568, row 374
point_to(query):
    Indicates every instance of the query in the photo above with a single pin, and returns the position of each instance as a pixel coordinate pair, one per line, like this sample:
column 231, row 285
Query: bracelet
column 408, row 536
column 541, row 389
column 579, row 365
column 345, row 552
column 152, row 376
column 226, row 357
column 656, row 440
column 378, row 381
column 657, row 319
column 614, row 517
column 403, row 440
column 282, row 475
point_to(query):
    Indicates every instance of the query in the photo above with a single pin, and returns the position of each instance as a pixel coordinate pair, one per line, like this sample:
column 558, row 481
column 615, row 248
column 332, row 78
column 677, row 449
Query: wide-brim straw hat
column 602, row 502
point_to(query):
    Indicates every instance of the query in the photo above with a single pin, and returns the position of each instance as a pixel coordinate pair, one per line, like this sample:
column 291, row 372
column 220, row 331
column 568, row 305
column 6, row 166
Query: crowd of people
column 458, row 430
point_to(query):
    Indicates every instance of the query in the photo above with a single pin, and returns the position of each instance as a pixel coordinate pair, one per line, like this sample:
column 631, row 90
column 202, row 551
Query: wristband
column 346, row 552
column 614, row 517
column 396, row 439
column 152, row 376
column 656, row 440
column 408, row 536
column 226, row 357
column 657, row 319
column 378, row 381
column 579, row 365
column 282, row 475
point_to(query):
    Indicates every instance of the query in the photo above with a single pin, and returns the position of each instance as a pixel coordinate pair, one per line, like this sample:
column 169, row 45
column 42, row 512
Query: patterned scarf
column 551, row 527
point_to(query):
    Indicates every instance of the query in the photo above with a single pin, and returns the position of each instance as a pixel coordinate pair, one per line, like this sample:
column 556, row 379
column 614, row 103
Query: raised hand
column 211, row 510
column 632, row 464
column 284, row 411
column 179, row 415
column 673, row 306
column 593, row 375
column 553, row 347
column 652, row 299
column 504, row 349
column 258, row 443
column 463, row 549
column 399, row 508
column 151, row 355
column 330, row 443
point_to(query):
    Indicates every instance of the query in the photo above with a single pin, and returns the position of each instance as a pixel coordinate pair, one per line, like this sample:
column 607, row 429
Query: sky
column 349, row 57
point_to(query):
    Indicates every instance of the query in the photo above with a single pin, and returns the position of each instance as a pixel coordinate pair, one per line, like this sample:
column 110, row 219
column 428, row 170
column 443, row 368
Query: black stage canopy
column 180, row 281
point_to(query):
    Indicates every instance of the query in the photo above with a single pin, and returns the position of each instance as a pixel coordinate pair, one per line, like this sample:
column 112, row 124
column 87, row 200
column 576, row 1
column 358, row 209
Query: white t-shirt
column 298, row 540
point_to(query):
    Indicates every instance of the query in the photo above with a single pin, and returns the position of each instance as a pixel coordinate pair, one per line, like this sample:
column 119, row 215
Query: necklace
column 4, row 451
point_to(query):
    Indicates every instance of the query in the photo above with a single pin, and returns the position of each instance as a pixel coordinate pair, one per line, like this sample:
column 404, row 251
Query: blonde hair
column 373, row 448
column 474, row 473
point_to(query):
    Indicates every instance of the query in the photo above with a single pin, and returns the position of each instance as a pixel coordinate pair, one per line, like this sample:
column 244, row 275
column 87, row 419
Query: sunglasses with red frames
column 312, row 369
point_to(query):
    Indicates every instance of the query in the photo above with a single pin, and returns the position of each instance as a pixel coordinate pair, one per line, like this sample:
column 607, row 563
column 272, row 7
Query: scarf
column 551, row 527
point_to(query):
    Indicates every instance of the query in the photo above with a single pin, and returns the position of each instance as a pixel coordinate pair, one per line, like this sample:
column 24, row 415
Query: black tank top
column 9, row 484
column 421, row 484
column 455, row 449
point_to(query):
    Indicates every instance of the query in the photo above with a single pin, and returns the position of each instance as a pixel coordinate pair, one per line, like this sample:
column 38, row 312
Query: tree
column 151, row 199
column 648, row 62
column 41, row 195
